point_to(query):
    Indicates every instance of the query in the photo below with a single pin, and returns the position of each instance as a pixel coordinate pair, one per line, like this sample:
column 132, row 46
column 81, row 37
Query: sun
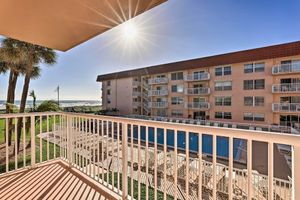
column 130, row 30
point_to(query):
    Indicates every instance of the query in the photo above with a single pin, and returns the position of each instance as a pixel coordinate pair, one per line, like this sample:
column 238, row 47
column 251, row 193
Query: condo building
column 259, row 86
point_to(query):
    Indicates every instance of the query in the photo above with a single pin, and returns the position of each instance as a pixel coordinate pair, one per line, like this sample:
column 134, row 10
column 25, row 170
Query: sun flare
column 130, row 30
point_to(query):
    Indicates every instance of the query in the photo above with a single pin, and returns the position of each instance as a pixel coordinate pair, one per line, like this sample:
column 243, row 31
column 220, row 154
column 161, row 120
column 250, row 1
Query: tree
column 32, row 94
column 35, row 55
column 47, row 106
column 12, row 59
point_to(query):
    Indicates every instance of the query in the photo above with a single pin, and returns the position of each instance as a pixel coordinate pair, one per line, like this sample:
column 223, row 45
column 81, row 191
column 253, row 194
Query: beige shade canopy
column 63, row 24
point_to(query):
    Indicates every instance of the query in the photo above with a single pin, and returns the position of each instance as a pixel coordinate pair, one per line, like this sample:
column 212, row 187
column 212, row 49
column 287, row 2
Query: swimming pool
column 222, row 142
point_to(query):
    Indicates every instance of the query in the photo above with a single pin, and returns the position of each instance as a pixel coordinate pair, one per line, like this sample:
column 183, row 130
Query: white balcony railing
column 286, row 107
column 136, row 93
column 286, row 88
column 150, row 155
column 197, row 105
column 136, row 83
column 197, row 91
column 153, row 81
column 136, row 104
column 286, row 68
column 197, row 77
column 162, row 104
column 157, row 92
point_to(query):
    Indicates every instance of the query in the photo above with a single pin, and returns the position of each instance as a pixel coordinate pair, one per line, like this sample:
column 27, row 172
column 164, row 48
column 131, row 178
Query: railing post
column 124, row 161
column 69, row 140
column 295, row 172
column 32, row 138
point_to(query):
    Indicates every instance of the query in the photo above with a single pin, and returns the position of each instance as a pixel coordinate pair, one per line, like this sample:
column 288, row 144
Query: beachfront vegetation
column 22, row 59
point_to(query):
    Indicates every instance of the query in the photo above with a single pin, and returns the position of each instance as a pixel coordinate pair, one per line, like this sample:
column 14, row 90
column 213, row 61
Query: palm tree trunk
column 12, row 82
column 23, row 105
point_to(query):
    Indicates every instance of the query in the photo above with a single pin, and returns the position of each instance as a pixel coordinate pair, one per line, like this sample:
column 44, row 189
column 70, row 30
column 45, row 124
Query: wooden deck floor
column 50, row 181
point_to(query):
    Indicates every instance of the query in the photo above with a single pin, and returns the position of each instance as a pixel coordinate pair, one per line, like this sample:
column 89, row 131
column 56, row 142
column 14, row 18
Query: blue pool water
column 222, row 142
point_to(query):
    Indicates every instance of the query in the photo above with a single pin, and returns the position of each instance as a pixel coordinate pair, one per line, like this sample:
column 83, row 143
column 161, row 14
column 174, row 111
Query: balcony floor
column 53, row 180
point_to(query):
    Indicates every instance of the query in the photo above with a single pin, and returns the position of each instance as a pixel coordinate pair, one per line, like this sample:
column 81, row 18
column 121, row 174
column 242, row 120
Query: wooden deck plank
column 49, row 181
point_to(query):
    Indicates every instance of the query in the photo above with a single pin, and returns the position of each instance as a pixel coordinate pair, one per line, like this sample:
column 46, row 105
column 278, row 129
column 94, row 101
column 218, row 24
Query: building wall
column 121, row 96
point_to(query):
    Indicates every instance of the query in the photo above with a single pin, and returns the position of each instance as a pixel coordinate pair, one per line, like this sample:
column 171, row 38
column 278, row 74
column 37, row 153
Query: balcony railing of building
column 145, row 159
column 197, row 91
column 286, row 88
column 197, row 77
column 286, row 107
column 136, row 104
column 136, row 93
column 286, row 68
column 162, row 104
column 163, row 92
column 197, row 105
column 153, row 81
column 136, row 83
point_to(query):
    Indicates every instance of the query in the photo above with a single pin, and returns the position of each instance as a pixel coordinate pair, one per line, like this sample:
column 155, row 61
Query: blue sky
column 176, row 30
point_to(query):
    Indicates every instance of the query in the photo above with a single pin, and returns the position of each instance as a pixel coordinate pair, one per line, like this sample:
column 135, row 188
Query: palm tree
column 35, row 55
column 12, row 59
column 32, row 94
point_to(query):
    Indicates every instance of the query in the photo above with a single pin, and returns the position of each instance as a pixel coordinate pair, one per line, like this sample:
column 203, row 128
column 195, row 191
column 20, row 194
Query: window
column 254, row 67
column 223, row 115
column 259, row 101
column 259, row 84
column 248, row 68
column 177, row 88
column 219, row 71
column 177, row 113
column 108, row 92
column 176, row 100
column 108, row 83
column 177, row 76
column 254, row 84
column 254, row 117
column 223, row 85
column 248, row 84
column 108, row 101
column 259, row 67
column 223, row 101
column 223, row 71
column 248, row 116
column 254, row 101
column 248, row 101
column 227, row 70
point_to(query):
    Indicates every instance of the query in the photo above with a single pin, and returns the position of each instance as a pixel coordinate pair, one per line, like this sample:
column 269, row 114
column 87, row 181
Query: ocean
column 63, row 103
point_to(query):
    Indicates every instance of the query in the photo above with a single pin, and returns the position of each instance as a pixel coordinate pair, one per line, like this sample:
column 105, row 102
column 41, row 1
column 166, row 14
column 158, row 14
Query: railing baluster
column 112, row 154
column 131, row 157
column 270, row 170
column 107, row 158
column 32, row 135
column 214, row 145
column 139, row 162
column 165, row 164
column 41, row 139
column 155, row 163
column 187, row 154
column 249, row 168
column 24, row 141
column 94, row 148
column 118, row 158
column 60, row 136
column 175, row 163
column 147, row 163
column 54, row 136
column 98, row 149
column 16, row 143
column 6, row 145
column 200, row 165
column 102, row 149
column 230, row 168
column 124, row 161
column 48, row 151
